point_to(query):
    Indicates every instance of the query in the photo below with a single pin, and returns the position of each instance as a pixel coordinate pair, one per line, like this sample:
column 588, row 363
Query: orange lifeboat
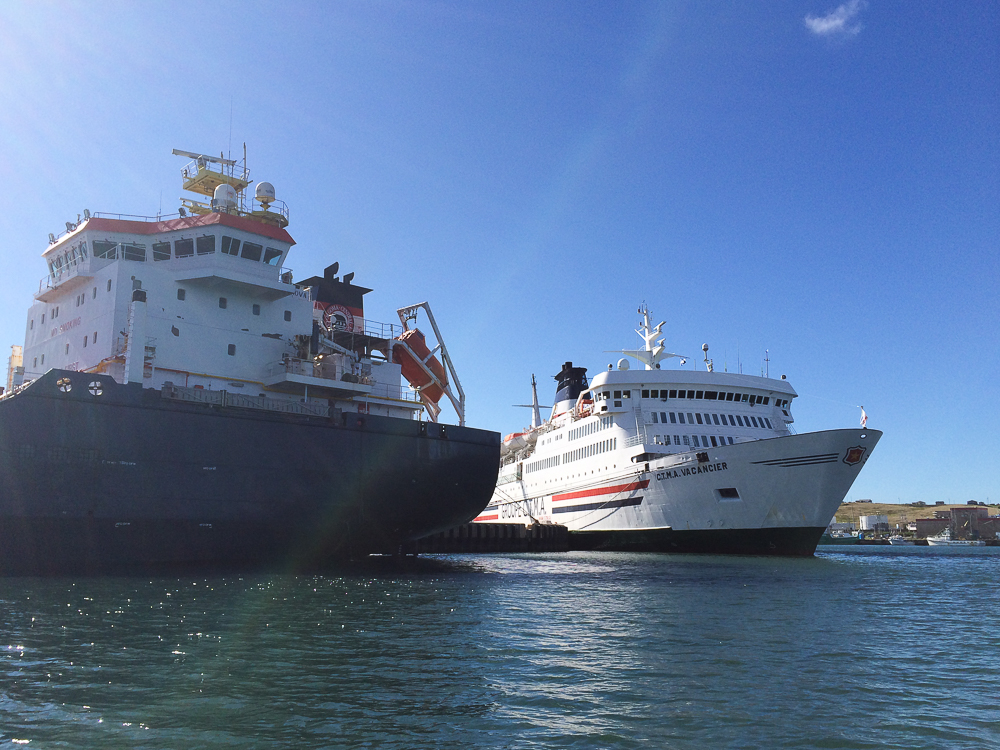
column 518, row 440
column 412, row 371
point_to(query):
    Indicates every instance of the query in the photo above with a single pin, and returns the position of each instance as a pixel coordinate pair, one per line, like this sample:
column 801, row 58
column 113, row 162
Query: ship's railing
column 135, row 217
column 192, row 169
column 338, row 373
column 226, row 398
column 373, row 328
column 64, row 272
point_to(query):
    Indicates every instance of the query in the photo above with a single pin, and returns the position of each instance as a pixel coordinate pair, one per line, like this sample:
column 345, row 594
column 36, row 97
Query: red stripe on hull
column 494, row 517
column 601, row 491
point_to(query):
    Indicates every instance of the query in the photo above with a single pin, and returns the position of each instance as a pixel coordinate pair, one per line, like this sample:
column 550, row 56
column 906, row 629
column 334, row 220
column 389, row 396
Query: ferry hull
column 794, row 542
column 774, row 497
column 127, row 479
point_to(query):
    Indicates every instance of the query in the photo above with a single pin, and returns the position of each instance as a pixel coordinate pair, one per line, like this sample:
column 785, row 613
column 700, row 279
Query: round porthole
column 95, row 388
column 64, row 384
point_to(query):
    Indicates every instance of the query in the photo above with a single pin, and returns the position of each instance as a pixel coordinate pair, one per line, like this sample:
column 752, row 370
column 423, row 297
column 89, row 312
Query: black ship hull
column 97, row 477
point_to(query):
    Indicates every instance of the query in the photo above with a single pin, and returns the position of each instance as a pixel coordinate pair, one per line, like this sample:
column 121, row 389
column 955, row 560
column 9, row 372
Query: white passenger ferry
column 676, row 460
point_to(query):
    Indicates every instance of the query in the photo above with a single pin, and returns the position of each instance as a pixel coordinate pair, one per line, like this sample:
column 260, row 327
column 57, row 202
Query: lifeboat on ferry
column 515, row 441
column 416, row 344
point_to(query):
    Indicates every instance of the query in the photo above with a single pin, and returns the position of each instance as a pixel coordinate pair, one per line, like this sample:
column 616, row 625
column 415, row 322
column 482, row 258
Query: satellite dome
column 623, row 364
column 264, row 193
column 225, row 197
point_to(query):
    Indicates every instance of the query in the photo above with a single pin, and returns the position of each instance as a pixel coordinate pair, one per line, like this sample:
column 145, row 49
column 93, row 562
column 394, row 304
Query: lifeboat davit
column 412, row 371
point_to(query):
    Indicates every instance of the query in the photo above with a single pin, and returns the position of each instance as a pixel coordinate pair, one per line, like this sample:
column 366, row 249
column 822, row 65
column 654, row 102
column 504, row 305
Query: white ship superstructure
column 677, row 460
column 205, row 301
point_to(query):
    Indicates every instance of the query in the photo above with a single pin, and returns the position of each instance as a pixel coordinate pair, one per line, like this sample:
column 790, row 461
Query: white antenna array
column 654, row 351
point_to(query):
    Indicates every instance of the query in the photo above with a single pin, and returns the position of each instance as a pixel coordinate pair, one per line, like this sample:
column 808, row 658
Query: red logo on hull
column 854, row 455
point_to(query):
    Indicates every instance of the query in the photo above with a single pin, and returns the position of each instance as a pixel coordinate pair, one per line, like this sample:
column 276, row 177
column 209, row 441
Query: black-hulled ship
column 181, row 401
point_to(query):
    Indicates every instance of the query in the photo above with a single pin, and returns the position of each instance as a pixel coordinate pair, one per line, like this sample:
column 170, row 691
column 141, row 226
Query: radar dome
column 225, row 197
column 623, row 364
column 264, row 192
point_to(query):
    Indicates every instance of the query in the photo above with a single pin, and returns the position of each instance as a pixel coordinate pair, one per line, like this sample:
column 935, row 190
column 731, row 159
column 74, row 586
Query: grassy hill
column 901, row 514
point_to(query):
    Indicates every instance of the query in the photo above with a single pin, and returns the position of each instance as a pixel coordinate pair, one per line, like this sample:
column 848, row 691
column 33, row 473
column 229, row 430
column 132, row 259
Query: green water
column 851, row 649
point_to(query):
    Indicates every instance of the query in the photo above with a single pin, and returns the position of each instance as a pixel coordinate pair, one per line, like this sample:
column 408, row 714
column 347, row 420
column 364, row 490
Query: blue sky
column 814, row 179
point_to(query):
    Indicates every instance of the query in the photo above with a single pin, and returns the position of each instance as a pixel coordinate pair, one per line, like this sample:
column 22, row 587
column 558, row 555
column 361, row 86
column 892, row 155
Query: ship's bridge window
column 206, row 244
column 133, row 252
column 104, row 249
column 698, row 395
column 680, row 414
column 645, row 394
column 654, row 394
column 716, row 418
column 654, row 417
column 673, row 394
column 183, row 248
column 272, row 256
column 607, row 395
column 744, row 398
column 698, row 417
column 626, row 394
column 230, row 245
column 618, row 394
column 711, row 395
column 161, row 251
column 251, row 251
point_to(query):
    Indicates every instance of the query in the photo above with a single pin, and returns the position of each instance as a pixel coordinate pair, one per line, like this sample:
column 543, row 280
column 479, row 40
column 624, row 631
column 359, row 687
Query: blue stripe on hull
column 627, row 502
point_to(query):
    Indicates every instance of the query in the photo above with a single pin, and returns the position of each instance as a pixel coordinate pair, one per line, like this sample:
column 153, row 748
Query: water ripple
column 582, row 650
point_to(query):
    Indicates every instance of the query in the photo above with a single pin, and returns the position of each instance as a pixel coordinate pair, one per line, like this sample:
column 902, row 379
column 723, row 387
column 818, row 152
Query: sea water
column 855, row 648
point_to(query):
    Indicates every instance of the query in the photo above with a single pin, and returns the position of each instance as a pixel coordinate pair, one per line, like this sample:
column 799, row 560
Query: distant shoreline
column 897, row 513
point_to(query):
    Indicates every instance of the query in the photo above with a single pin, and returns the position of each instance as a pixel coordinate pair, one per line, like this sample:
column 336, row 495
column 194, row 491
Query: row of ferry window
column 692, row 441
column 734, row 420
column 187, row 248
column 589, row 429
column 746, row 398
column 590, row 450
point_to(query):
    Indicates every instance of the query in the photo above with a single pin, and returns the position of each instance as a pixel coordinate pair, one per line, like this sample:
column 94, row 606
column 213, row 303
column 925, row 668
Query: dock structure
column 496, row 537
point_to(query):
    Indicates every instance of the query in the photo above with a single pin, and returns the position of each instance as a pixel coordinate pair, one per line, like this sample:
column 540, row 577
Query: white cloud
column 843, row 20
